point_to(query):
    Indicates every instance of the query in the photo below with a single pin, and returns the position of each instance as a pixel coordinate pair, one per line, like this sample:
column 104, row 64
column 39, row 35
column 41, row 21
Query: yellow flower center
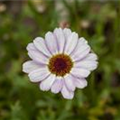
column 60, row 64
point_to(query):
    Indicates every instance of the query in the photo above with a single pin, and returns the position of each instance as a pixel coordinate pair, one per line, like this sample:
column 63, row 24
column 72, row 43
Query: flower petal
column 30, row 47
column 30, row 66
column 91, row 56
column 80, row 83
column 51, row 42
column 69, row 81
column 82, row 40
column 46, row 84
column 39, row 74
column 71, row 43
column 66, row 93
column 80, row 72
column 38, row 57
column 57, row 85
column 40, row 45
column 58, row 32
column 67, row 32
column 81, row 50
column 80, row 53
column 90, row 65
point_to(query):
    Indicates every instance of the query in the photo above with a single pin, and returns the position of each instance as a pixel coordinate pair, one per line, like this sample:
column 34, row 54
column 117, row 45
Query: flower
column 61, row 62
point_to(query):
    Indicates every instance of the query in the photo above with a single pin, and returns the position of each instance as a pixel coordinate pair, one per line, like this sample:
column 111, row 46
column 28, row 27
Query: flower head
column 61, row 62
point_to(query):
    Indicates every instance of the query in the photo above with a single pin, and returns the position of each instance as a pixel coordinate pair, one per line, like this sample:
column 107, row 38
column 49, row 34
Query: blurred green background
column 22, row 21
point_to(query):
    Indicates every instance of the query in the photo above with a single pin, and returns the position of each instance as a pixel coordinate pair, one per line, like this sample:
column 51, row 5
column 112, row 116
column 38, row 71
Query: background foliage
column 21, row 22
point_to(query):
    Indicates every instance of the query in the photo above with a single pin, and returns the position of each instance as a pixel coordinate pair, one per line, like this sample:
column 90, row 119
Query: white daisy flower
column 61, row 62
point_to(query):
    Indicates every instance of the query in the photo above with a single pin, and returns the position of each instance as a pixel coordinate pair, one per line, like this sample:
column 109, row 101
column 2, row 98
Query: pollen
column 60, row 64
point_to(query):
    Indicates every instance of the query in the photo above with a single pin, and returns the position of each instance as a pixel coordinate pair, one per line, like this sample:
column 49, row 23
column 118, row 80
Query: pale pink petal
column 30, row 66
column 80, row 83
column 46, row 84
column 57, row 85
column 69, row 81
column 40, row 45
column 51, row 42
column 82, row 40
column 91, row 56
column 38, row 57
column 80, row 52
column 39, row 74
column 32, row 47
column 82, row 49
column 66, row 93
column 89, row 65
column 71, row 43
column 80, row 72
column 67, row 33
column 58, row 32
